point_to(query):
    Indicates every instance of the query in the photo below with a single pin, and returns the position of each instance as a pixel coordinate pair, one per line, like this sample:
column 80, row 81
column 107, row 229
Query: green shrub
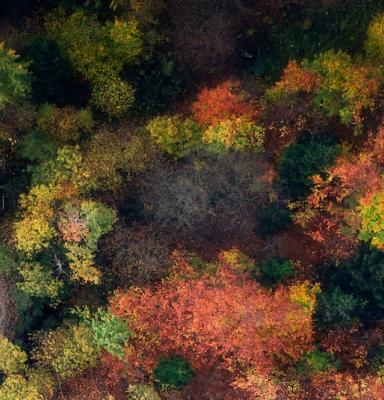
column 336, row 308
column 35, row 146
column 316, row 361
column 300, row 161
column 273, row 218
column 173, row 372
column 274, row 271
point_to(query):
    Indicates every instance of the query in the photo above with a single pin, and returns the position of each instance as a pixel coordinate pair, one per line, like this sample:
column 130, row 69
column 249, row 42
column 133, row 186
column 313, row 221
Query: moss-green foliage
column 336, row 309
column 12, row 358
column 67, row 350
column 14, row 78
column 95, row 49
column 99, row 52
column 111, row 159
column 38, row 281
column 175, row 135
column 274, row 271
column 66, row 166
column 173, row 372
column 317, row 361
column 372, row 220
column 374, row 44
column 16, row 387
column 300, row 161
column 142, row 392
column 234, row 134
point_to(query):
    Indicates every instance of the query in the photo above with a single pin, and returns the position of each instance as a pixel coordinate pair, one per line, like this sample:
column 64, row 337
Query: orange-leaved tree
column 221, row 317
column 225, row 101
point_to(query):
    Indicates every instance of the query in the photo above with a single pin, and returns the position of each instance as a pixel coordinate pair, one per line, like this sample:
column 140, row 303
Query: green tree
column 37, row 147
column 361, row 276
column 99, row 220
column 108, row 331
column 14, row 77
column 111, row 157
column 93, row 48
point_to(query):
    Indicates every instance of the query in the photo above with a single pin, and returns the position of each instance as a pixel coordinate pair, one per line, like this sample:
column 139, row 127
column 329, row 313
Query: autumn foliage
column 297, row 79
column 225, row 101
column 222, row 318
